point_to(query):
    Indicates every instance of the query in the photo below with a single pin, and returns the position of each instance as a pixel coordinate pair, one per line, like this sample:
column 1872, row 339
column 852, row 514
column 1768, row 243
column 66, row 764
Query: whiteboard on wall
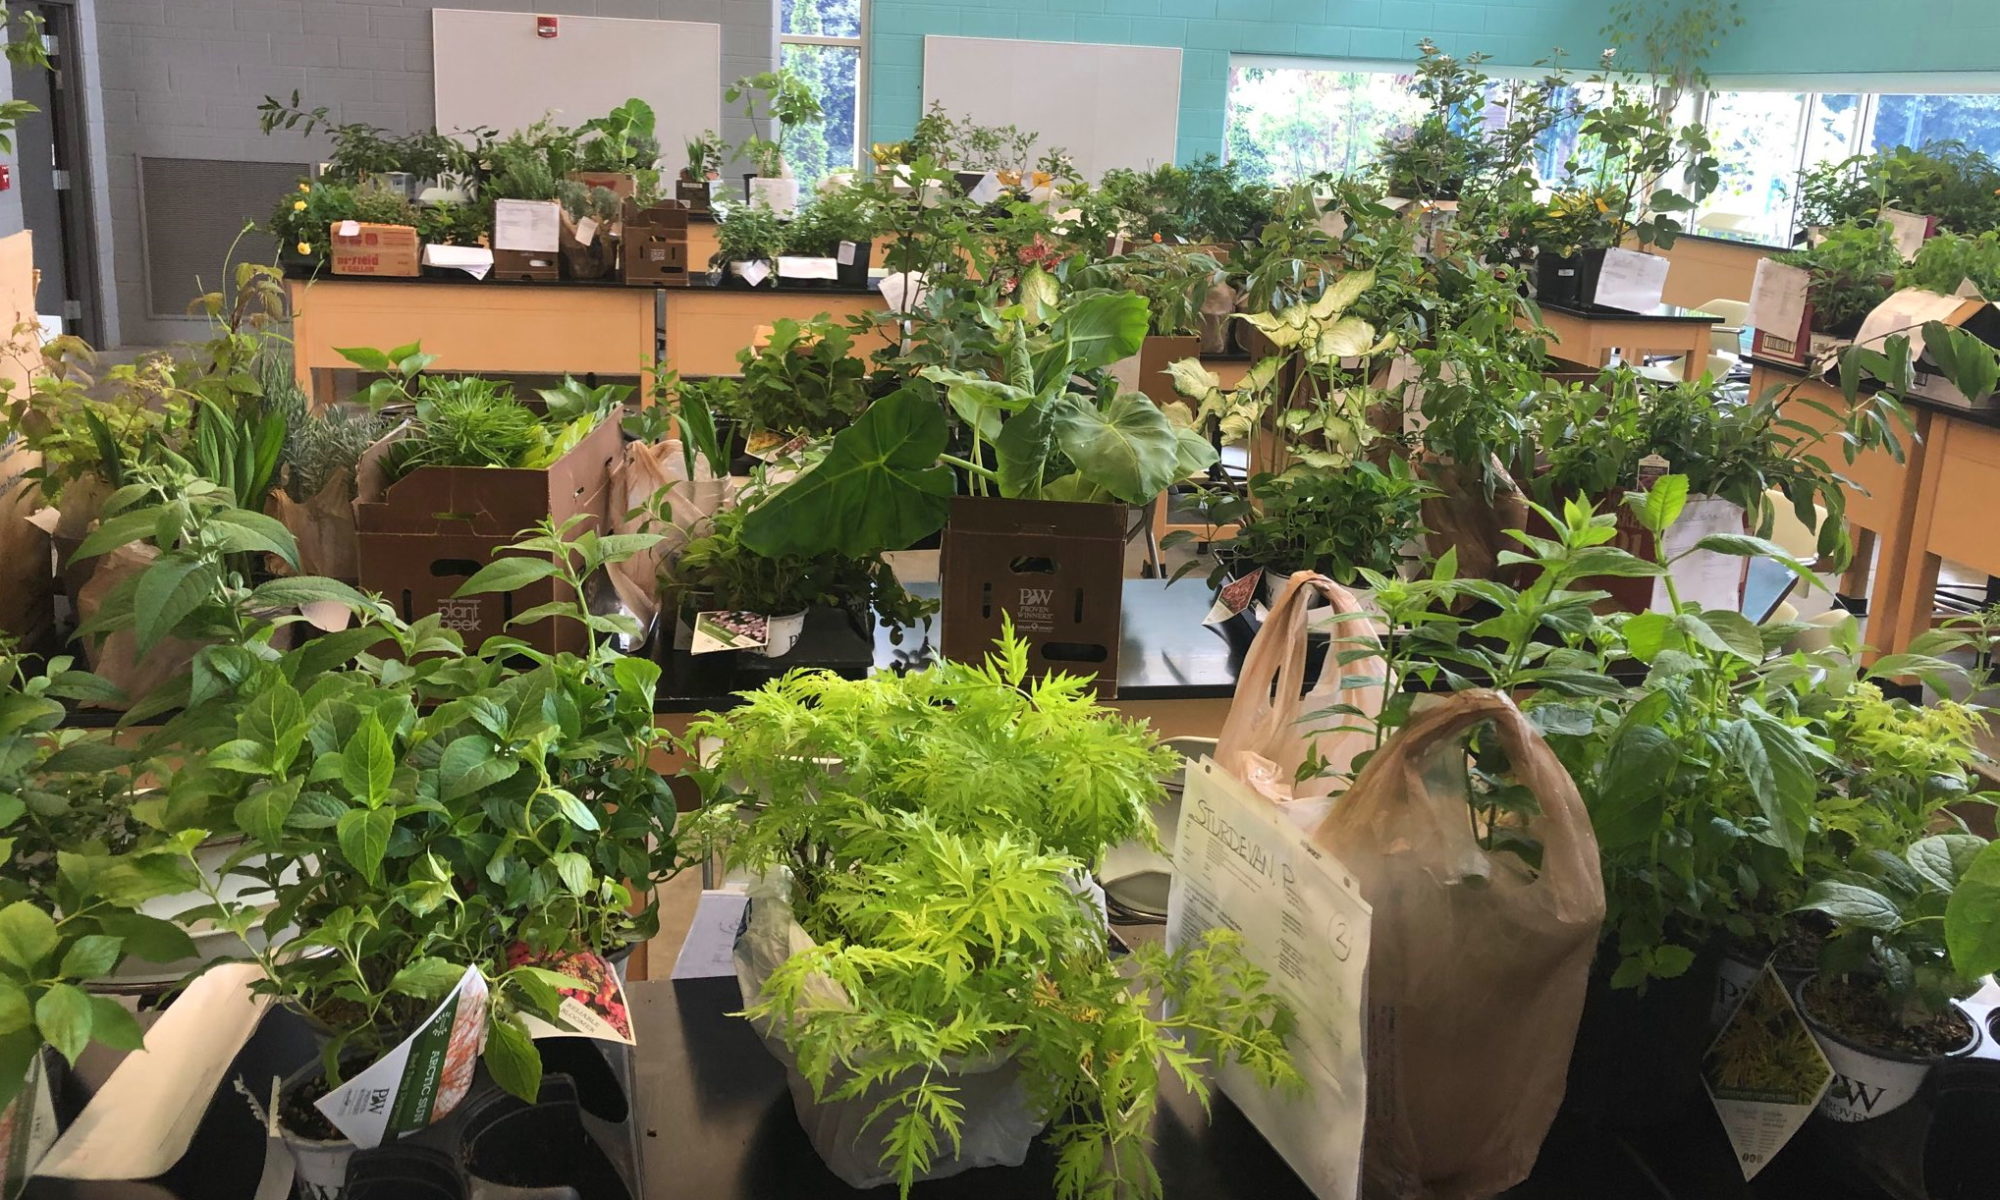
column 492, row 70
column 1109, row 106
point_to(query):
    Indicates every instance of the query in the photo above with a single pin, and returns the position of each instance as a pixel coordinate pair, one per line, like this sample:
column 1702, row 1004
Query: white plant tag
column 845, row 256
column 586, row 231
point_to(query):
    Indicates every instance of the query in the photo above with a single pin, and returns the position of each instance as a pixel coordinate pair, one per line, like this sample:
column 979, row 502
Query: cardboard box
column 1908, row 311
column 624, row 183
column 1057, row 568
column 655, row 244
column 527, row 266
column 419, row 538
column 360, row 248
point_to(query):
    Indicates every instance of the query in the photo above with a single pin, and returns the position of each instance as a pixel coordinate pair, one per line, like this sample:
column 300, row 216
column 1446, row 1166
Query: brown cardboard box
column 421, row 536
column 360, row 248
column 1155, row 353
column 1794, row 346
column 527, row 266
column 655, row 244
column 1057, row 568
column 624, row 183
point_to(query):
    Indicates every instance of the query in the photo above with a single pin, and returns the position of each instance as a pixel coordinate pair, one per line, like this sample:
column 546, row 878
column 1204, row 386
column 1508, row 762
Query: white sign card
column 1908, row 230
column 807, row 267
column 710, row 949
column 1705, row 577
column 987, row 190
column 1764, row 1072
column 752, row 273
column 534, row 226
column 476, row 261
column 1631, row 280
column 422, row 1079
column 1778, row 298
column 1238, row 864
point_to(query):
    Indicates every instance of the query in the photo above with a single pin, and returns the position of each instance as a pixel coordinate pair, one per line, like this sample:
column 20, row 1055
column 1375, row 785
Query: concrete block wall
column 183, row 78
column 1513, row 32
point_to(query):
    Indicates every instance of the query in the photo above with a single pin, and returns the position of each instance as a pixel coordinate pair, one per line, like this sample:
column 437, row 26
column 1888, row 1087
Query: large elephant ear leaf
column 1128, row 448
column 878, row 488
column 1099, row 330
column 1022, row 451
column 1342, row 293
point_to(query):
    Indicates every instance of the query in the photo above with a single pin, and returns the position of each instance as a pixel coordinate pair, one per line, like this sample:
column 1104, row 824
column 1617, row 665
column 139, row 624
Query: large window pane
column 1756, row 136
column 823, row 18
column 833, row 73
column 1912, row 120
column 1287, row 123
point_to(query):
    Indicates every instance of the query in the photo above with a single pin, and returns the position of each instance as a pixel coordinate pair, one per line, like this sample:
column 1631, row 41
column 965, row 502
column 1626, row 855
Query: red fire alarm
column 6, row 177
column 545, row 27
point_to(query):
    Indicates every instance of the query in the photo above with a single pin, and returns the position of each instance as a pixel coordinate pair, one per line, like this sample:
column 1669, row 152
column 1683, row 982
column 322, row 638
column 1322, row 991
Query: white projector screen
column 491, row 69
column 1109, row 106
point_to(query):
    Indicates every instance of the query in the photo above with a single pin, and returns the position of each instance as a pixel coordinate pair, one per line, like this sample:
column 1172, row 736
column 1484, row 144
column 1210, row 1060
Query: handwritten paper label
column 533, row 226
column 710, row 949
column 803, row 267
column 1778, row 298
column 1907, row 230
column 845, row 256
column 1631, row 280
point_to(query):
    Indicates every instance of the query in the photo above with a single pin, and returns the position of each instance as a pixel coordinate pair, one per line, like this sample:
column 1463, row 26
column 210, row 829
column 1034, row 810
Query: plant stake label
column 1907, row 229
column 845, row 256
column 1233, row 597
column 1764, row 1072
column 723, row 630
column 1239, row 864
column 594, row 1008
column 710, row 949
column 421, row 1080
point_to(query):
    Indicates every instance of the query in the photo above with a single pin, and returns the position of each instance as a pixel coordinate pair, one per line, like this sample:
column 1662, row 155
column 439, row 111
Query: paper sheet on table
column 1777, row 298
column 476, row 261
column 710, row 949
column 1238, row 864
column 422, row 1079
column 1908, row 230
column 1764, row 1073
column 141, row 1121
column 531, row 225
column 1703, row 577
column 1631, row 280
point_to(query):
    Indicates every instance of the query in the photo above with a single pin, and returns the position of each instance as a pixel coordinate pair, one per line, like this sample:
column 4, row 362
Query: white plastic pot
column 782, row 633
column 319, row 1169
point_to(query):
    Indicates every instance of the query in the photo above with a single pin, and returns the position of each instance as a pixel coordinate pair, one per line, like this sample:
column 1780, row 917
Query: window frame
column 859, row 44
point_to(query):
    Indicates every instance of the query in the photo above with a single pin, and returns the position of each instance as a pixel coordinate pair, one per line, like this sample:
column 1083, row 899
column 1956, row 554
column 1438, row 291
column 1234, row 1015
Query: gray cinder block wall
column 183, row 78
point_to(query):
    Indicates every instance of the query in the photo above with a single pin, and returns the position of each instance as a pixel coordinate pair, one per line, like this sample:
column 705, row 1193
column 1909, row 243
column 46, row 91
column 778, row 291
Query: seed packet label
column 1233, row 597
column 531, row 226
column 710, row 949
column 586, row 231
column 420, row 1081
column 724, row 630
column 594, row 1008
column 1765, row 1072
column 987, row 190
column 845, row 255
column 1908, row 230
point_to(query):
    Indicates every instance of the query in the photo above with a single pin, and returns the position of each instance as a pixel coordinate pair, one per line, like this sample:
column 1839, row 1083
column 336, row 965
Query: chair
column 1725, row 338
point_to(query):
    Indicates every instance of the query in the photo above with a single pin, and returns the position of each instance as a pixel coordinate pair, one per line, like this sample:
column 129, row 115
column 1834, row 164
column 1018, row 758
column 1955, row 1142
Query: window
column 821, row 41
column 1289, row 122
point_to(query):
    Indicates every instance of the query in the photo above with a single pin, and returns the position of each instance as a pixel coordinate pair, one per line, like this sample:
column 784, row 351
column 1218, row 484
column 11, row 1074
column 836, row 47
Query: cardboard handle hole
column 1033, row 564
column 453, row 568
column 1080, row 652
column 986, row 601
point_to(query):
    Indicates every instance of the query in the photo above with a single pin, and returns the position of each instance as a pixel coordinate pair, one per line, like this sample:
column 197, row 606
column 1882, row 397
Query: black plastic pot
column 1637, row 1062
column 1568, row 280
column 855, row 274
column 404, row 1172
column 539, row 1146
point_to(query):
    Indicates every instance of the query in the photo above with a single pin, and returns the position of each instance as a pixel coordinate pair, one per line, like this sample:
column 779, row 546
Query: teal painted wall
column 1512, row 32
column 1809, row 37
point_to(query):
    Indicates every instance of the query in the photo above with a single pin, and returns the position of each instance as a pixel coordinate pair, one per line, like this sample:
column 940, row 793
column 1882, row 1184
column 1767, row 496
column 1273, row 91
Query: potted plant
column 804, row 380
column 1949, row 180
column 787, row 103
column 1571, row 233
column 1949, row 261
column 856, row 798
column 717, row 573
column 1847, row 274
column 1175, row 281
column 1337, row 522
column 313, row 492
column 696, row 185
column 835, row 231
column 590, row 229
column 618, row 152
column 748, row 239
column 524, row 169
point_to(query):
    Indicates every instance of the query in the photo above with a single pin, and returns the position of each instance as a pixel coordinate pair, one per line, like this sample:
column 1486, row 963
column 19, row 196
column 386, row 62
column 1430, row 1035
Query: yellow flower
column 298, row 206
column 1603, row 207
column 305, row 248
column 304, row 186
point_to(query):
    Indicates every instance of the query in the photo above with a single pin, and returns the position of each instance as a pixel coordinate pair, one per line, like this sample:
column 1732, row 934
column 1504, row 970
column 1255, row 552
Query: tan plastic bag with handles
column 1477, row 967
column 1272, row 730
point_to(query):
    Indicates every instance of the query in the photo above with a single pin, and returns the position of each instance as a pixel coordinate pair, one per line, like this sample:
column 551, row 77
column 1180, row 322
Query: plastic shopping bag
column 1272, row 730
column 1478, row 964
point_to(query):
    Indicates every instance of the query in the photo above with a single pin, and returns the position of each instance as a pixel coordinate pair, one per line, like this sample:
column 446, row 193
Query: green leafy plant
column 1949, row 180
column 787, row 102
column 467, row 421
column 1321, row 406
column 1337, row 522
column 450, row 223
column 319, row 444
column 1627, row 148
column 937, row 819
column 804, row 379
column 1848, row 274
column 621, row 140
column 748, row 233
column 1950, row 260
column 704, row 157
column 845, row 214
column 1173, row 279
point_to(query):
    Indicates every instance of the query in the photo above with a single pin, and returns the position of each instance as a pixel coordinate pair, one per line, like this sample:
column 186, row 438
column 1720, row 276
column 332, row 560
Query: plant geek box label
column 1764, row 1072
column 420, row 1081
column 1240, row 864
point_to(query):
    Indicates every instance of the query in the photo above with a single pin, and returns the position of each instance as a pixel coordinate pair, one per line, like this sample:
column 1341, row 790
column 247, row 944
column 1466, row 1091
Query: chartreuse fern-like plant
column 936, row 827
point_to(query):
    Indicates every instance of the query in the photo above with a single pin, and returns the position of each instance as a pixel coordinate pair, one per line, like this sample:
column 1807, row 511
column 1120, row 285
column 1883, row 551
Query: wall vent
column 194, row 211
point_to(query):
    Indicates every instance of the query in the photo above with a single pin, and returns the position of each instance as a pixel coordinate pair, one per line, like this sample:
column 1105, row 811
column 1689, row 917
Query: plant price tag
column 1233, row 597
column 586, row 231
column 421, row 1080
column 1765, row 1072
column 594, row 1008
column 722, row 630
column 845, row 256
